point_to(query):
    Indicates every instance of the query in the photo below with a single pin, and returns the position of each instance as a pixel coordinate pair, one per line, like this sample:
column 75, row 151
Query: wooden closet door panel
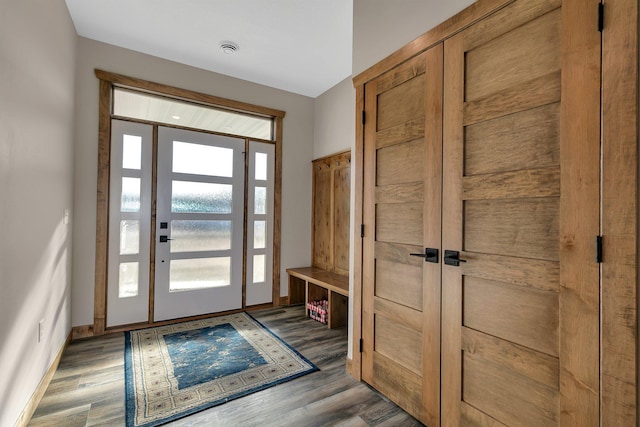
column 402, row 192
column 520, row 338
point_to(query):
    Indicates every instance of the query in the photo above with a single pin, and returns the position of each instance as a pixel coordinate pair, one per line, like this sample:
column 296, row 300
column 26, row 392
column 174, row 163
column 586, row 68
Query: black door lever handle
column 164, row 239
column 453, row 258
column 429, row 255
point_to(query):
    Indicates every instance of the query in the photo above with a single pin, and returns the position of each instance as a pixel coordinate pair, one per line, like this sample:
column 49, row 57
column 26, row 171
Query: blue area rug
column 176, row 370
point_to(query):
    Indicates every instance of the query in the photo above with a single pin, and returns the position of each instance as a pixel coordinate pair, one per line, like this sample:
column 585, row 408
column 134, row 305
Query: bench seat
column 311, row 283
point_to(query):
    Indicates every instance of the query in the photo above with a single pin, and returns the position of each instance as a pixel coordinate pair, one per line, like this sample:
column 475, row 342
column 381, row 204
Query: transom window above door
column 153, row 108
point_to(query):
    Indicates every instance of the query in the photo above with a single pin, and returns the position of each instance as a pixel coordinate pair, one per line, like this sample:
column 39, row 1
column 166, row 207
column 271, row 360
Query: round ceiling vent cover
column 229, row 47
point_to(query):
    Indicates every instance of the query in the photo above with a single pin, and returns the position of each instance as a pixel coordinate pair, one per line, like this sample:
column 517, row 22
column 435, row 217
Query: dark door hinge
column 362, row 230
column 361, row 344
column 364, row 117
column 600, row 17
column 599, row 249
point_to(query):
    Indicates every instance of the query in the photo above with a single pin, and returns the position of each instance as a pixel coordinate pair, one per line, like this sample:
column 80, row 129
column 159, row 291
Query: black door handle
column 164, row 239
column 429, row 255
column 453, row 258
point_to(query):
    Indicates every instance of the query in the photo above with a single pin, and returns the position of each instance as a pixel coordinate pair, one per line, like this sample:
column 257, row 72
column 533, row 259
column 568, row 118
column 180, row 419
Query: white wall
column 335, row 131
column 297, row 153
column 37, row 57
column 334, row 120
column 380, row 27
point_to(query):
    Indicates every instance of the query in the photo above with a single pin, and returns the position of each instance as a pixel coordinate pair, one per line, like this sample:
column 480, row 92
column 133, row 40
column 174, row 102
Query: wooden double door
column 481, row 210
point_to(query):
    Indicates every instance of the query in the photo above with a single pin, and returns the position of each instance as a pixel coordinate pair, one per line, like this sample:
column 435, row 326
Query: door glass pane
column 130, row 200
column 197, row 235
column 128, row 282
column 259, row 234
column 261, row 166
column 260, row 201
column 201, row 197
column 199, row 273
column 129, row 237
column 201, row 159
column 258, row 269
column 131, row 152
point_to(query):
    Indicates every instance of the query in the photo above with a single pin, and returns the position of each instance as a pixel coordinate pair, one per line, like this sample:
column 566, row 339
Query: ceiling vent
column 229, row 47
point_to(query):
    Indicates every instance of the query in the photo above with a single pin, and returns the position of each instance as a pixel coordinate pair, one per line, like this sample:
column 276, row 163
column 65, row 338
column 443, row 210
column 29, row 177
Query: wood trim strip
column 401, row 74
column 354, row 365
column 530, row 273
column 400, row 133
column 452, row 214
column 36, row 397
column 152, row 233
column 341, row 156
column 532, row 94
column 102, row 209
column 432, row 234
column 119, row 79
column 277, row 212
column 397, row 382
column 245, row 222
column 400, row 193
column 79, row 332
column 367, row 147
column 445, row 30
column 619, row 304
column 579, row 214
column 401, row 314
column 517, row 14
column 530, row 363
column 399, row 253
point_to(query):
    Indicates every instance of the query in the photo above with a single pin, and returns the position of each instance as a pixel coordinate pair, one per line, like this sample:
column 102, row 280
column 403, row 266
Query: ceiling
column 301, row 46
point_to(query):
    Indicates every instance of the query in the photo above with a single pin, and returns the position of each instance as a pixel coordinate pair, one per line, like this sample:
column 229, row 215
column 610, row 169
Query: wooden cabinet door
column 402, row 192
column 520, row 325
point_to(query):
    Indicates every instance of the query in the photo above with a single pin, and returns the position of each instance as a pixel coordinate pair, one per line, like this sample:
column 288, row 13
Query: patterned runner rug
column 177, row 370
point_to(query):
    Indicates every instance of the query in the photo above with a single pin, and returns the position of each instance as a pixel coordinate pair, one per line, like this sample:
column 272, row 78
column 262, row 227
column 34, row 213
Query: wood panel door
column 402, row 192
column 520, row 336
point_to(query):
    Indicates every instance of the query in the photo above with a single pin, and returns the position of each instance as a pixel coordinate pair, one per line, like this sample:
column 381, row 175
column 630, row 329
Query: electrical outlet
column 40, row 330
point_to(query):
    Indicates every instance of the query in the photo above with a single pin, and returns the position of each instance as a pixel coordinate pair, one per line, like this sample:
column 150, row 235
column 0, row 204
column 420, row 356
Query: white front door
column 199, row 224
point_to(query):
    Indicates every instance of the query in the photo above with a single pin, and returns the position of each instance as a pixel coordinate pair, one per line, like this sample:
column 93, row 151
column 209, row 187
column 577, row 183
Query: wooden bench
column 311, row 284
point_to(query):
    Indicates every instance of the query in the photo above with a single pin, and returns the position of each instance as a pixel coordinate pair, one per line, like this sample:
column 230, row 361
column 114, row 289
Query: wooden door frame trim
column 619, row 371
column 354, row 364
column 107, row 81
column 190, row 95
column 619, row 272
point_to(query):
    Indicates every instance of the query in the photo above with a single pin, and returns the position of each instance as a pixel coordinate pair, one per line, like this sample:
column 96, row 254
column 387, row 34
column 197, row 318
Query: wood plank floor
column 88, row 387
